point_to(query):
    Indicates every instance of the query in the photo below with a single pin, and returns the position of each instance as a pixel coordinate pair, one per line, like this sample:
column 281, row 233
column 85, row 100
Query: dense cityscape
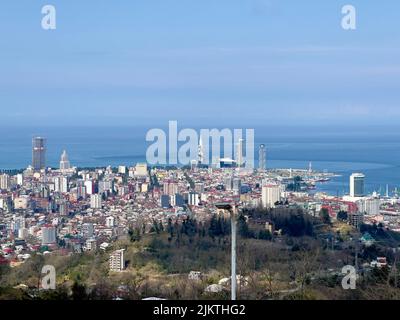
column 199, row 159
column 72, row 211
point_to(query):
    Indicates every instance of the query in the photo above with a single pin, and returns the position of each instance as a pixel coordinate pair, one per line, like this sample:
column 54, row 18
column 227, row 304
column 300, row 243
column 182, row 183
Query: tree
column 324, row 215
column 264, row 235
column 170, row 228
column 134, row 234
column 306, row 263
column 213, row 227
column 243, row 227
column 155, row 227
column 79, row 291
column 342, row 215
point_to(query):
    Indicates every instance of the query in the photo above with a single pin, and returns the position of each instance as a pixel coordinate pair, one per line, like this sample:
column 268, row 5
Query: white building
column 170, row 188
column 61, row 184
column 270, row 195
column 357, row 181
column 20, row 179
column 91, row 244
column 122, row 169
column 228, row 183
column 64, row 162
column 48, row 235
column 193, row 199
column 117, row 261
column 110, row 222
column 95, row 201
column 5, row 182
column 239, row 153
column 369, row 206
column 141, row 169
column 106, row 186
column 23, row 233
column 236, row 185
column 89, row 184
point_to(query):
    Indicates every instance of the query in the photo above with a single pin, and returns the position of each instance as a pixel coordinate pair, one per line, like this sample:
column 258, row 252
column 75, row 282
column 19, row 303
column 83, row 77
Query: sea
column 372, row 150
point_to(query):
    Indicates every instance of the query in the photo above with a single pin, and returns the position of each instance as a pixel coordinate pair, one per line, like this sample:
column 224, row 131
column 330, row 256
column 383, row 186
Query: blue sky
column 220, row 62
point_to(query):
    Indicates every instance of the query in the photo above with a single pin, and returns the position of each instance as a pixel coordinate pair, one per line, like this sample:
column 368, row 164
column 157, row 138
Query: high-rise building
column 239, row 153
column 88, row 230
column 64, row 208
column 369, row 206
column 5, row 181
column 177, row 200
column 61, row 184
column 356, row 219
column 20, row 179
column 170, row 187
column 90, row 187
column 193, row 199
column 228, row 183
column 106, row 186
column 81, row 189
column 200, row 152
column 357, row 181
column 237, row 184
column 110, row 222
column 64, row 162
column 48, row 235
column 95, row 201
column 270, row 195
column 18, row 223
column 38, row 153
column 262, row 157
column 165, row 201
column 117, row 261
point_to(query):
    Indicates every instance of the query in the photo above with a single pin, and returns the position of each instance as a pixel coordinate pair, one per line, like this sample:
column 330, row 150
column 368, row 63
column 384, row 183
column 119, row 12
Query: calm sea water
column 374, row 151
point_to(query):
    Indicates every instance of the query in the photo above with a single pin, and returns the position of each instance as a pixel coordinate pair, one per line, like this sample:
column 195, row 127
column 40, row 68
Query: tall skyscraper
column 357, row 181
column 200, row 152
column 64, row 162
column 38, row 153
column 262, row 157
column 61, row 184
column 90, row 187
column 239, row 153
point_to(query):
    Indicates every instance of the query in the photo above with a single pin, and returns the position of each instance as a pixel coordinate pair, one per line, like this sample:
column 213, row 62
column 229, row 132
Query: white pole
column 233, row 256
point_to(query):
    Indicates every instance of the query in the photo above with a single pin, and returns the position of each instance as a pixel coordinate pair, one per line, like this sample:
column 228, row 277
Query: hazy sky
column 199, row 62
